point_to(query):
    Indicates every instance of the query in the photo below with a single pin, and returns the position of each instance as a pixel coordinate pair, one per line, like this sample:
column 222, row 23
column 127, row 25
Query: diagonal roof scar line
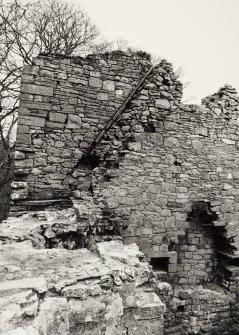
column 121, row 109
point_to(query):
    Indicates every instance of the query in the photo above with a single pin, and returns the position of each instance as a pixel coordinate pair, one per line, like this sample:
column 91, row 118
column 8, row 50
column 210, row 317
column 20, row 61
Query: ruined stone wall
column 164, row 175
column 198, row 310
column 158, row 162
column 190, row 157
column 64, row 103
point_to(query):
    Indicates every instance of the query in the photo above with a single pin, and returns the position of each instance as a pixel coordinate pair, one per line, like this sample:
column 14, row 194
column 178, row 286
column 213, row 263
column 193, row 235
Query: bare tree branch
column 28, row 28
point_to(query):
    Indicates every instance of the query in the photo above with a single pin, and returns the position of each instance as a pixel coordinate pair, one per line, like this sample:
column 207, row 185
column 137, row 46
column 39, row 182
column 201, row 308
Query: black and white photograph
column 119, row 167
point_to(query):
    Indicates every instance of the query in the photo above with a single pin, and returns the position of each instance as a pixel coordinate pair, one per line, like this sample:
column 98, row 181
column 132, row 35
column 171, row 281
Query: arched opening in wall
column 202, row 213
column 197, row 253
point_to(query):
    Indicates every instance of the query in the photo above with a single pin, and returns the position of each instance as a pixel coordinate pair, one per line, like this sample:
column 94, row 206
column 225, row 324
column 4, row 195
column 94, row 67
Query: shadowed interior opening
column 90, row 161
column 202, row 213
column 160, row 263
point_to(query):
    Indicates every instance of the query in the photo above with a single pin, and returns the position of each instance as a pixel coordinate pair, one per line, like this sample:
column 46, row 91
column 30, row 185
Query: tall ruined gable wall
column 64, row 103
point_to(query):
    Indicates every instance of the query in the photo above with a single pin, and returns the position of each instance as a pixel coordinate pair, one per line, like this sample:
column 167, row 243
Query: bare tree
column 28, row 29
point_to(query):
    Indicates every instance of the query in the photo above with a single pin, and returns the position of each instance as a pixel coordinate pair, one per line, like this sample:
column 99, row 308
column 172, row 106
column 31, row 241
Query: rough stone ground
column 59, row 291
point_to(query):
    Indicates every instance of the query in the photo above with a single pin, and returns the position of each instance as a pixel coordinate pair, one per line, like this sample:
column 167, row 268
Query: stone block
column 227, row 186
column 37, row 89
column 47, row 73
column 66, row 153
column 40, row 106
column 56, row 176
column 54, row 125
column 147, row 305
column 26, row 163
column 74, row 122
column 53, row 317
column 37, row 141
column 134, row 146
column 171, row 142
column 32, row 121
column 108, row 85
column 227, row 141
column 75, row 80
column 196, row 144
column 23, row 139
column 36, row 283
column 19, row 155
column 95, row 82
column 21, row 172
column 156, row 138
column 81, row 290
column 19, row 194
column 168, row 125
column 119, row 93
column 103, row 96
column 23, row 130
column 18, row 184
column 40, row 161
column 162, row 103
column 95, row 74
column 57, row 117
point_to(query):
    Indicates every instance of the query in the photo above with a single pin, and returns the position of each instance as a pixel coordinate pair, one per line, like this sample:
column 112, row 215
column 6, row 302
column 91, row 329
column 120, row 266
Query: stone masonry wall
column 64, row 103
column 164, row 175
column 190, row 157
column 158, row 161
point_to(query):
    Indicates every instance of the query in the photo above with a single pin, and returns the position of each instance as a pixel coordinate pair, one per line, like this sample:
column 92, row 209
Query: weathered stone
column 33, row 121
column 37, row 89
column 81, row 290
column 162, row 103
column 40, row 161
column 227, row 141
column 171, row 142
column 18, row 184
column 38, row 284
column 95, row 82
column 103, row 96
column 53, row 317
column 74, row 121
column 24, row 139
column 196, row 144
column 21, row 172
column 135, row 146
column 24, row 163
column 57, row 117
column 19, row 155
column 108, row 85
column 168, row 125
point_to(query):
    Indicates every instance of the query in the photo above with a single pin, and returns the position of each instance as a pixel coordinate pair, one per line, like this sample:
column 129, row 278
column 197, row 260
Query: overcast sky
column 201, row 36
